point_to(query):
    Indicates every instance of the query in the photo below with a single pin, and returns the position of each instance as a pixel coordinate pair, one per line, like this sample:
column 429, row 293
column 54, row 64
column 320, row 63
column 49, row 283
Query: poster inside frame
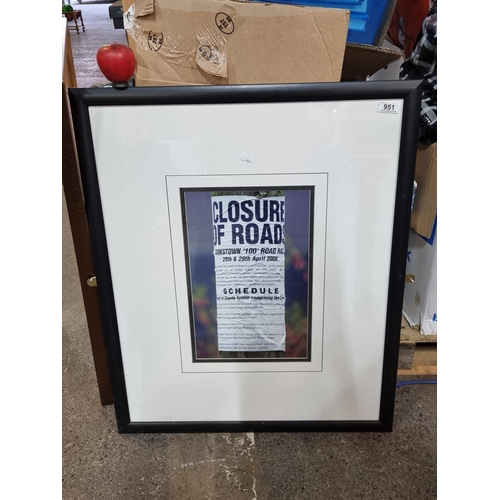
column 245, row 269
column 250, row 278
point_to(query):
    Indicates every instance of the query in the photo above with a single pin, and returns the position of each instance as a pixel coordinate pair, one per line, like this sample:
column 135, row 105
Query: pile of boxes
column 179, row 42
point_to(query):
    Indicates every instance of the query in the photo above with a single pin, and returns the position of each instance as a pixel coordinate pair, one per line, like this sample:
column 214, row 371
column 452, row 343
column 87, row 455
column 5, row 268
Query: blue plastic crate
column 367, row 21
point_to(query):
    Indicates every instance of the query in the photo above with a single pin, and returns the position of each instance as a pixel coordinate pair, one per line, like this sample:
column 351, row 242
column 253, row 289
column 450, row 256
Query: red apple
column 117, row 62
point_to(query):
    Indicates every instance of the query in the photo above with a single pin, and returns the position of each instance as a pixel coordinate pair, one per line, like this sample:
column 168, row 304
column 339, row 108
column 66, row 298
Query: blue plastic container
column 367, row 21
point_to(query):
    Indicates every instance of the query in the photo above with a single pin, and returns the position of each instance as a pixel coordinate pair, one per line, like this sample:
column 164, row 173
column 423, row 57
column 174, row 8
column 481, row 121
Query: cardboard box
column 190, row 42
column 420, row 297
column 391, row 71
column 423, row 217
column 362, row 61
column 227, row 42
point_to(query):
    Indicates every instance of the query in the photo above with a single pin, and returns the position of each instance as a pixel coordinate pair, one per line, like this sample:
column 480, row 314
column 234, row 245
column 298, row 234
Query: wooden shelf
column 417, row 352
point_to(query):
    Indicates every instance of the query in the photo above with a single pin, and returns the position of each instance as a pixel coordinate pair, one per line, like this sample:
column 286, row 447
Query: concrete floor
column 99, row 463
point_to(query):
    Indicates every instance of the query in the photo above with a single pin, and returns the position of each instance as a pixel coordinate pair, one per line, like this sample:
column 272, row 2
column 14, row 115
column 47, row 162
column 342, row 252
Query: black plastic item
column 116, row 13
column 130, row 83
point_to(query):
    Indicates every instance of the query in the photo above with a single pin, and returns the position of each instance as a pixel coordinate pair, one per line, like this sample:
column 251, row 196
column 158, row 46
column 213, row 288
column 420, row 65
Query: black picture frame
column 409, row 92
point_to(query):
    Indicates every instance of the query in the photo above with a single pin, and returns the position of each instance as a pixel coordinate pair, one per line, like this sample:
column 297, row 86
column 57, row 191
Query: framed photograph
column 250, row 250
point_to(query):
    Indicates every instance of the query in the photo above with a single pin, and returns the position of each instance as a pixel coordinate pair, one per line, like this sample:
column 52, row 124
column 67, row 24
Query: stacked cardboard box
column 193, row 42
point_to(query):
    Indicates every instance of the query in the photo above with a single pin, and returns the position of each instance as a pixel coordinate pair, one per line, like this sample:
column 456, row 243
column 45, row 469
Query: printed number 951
column 387, row 107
